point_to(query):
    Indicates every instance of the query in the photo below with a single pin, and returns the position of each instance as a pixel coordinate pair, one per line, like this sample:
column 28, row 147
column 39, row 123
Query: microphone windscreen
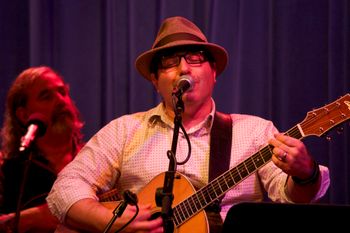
column 183, row 84
column 185, row 81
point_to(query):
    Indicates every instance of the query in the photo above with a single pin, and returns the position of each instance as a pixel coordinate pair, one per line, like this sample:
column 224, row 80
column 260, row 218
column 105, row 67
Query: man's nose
column 60, row 98
column 183, row 66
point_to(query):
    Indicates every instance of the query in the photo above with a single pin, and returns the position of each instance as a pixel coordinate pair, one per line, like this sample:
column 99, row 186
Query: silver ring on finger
column 283, row 157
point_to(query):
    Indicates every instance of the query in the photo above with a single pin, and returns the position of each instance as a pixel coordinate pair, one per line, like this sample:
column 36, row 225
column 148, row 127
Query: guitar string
column 220, row 185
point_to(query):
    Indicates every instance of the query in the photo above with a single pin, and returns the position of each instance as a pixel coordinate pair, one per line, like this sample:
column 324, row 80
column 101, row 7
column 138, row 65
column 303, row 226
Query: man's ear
column 213, row 67
column 22, row 114
column 154, row 80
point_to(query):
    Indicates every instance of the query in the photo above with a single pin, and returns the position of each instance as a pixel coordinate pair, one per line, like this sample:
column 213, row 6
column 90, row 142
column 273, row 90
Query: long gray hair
column 17, row 96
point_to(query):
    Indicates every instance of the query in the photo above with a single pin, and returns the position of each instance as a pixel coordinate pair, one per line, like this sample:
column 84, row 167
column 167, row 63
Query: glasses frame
column 184, row 54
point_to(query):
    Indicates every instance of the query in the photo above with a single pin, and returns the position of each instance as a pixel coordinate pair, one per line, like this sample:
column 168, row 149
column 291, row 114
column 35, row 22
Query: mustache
column 65, row 110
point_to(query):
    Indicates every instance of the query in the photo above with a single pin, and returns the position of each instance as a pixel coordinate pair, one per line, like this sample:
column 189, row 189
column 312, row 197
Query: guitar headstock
column 321, row 120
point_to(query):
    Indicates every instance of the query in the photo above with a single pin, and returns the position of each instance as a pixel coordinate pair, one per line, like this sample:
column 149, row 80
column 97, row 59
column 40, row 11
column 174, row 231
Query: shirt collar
column 158, row 116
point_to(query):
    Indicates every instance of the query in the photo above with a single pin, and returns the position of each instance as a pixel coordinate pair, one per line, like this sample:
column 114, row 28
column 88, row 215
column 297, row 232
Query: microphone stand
column 21, row 191
column 165, row 196
column 117, row 212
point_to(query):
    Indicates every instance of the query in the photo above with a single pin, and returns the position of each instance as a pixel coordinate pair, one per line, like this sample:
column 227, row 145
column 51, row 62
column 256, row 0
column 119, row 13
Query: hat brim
column 143, row 61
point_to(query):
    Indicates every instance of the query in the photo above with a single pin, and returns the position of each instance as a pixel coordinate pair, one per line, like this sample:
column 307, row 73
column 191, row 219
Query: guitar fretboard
column 219, row 186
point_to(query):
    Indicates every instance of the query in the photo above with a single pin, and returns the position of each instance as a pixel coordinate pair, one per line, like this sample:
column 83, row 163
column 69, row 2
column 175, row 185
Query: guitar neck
column 219, row 186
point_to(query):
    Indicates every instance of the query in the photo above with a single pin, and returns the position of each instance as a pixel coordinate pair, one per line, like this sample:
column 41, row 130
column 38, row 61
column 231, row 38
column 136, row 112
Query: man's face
column 194, row 63
column 50, row 96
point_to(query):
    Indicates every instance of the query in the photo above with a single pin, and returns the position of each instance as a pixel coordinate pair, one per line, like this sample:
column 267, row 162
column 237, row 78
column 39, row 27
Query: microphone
column 130, row 197
column 36, row 127
column 185, row 83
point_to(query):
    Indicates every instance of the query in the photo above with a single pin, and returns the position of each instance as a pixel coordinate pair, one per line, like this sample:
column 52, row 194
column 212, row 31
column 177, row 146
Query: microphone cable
column 129, row 198
column 133, row 217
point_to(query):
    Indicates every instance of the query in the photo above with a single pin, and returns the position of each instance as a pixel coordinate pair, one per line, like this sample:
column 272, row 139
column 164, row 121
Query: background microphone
column 36, row 127
column 185, row 83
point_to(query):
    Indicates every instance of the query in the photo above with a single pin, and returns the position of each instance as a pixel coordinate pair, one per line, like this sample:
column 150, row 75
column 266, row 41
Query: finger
column 278, row 162
column 149, row 224
column 276, row 142
column 279, row 151
column 282, row 157
column 287, row 140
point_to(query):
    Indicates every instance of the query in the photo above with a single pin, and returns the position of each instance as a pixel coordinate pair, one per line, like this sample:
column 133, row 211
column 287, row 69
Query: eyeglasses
column 191, row 57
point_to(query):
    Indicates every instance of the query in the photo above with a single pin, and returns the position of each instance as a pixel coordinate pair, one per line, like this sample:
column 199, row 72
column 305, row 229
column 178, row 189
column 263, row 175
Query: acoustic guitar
column 189, row 204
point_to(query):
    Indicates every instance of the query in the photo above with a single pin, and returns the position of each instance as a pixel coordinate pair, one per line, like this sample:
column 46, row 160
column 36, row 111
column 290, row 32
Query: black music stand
column 278, row 217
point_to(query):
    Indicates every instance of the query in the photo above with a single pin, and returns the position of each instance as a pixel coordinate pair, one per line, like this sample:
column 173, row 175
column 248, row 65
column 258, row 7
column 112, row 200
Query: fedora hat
column 178, row 31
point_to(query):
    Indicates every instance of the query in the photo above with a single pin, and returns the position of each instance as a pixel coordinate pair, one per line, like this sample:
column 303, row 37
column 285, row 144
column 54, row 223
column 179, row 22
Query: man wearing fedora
column 130, row 153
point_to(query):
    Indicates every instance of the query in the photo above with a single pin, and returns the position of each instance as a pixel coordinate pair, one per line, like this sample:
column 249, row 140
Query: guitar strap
column 220, row 150
column 220, row 145
column 219, row 162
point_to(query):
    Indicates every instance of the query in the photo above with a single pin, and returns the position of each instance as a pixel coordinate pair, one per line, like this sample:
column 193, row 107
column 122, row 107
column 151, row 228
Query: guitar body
column 182, row 189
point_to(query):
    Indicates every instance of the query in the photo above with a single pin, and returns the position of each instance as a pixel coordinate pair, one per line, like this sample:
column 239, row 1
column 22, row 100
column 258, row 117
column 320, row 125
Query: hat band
column 177, row 37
